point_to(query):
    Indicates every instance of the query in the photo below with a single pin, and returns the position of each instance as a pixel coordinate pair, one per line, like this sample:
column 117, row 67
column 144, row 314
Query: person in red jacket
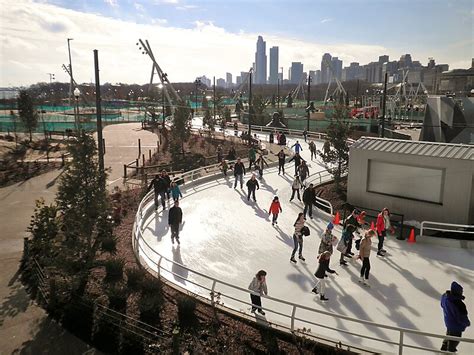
column 275, row 209
column 383, row 225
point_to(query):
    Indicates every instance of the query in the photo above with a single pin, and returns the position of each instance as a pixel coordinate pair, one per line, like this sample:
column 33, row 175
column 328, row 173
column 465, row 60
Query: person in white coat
column 295, row 187
column 257, row 287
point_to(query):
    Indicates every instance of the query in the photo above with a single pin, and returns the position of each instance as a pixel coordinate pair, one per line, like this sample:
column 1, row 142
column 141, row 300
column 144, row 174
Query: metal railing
column 452, row 228
column 212, row 286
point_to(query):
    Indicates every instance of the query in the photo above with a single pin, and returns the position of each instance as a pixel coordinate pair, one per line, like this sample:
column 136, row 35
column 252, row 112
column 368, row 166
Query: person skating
column 298, row 238
column 175, row 191
column 224, row 166
column 232, row 154
column 295, row 187
column 327, row 240
column 350, row 226
column 175, row 218
column 166, row 177
column 159, row 187
column 239, row 172
column 312, row 149
column 383, row 225
column 324, row 259
column 364, row 255
column 308, row 200
column 257, row 288
column 298, row 147
column 455, row 315
column 303, row 172
column 260, row 164
column 252, row 185
column 252, row 156
column 275, row 209
column 281, row 161
column 297, row 158
column 305, row 134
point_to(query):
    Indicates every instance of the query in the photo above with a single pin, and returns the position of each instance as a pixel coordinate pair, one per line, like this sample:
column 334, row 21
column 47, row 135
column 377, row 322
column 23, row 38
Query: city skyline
column 34, row 44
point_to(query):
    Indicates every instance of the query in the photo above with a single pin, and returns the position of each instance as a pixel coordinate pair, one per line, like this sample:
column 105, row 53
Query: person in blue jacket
column 455, row 315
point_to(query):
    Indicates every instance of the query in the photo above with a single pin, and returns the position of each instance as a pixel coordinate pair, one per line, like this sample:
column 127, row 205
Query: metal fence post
column 139, row 146
column 293, row 318
column 159, row 267
column 212, row 292
column 124, row 171
column 400, row 343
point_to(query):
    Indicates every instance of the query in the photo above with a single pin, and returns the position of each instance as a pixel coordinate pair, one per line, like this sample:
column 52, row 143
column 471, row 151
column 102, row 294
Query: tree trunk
column 31, row 136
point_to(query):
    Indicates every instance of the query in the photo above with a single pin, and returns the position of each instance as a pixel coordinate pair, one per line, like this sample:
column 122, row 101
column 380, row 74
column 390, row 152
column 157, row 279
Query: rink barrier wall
column 139, row 244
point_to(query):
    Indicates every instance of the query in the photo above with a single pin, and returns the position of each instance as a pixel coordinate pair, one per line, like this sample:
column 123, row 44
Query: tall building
column 383, row 59
column 317, row 77
column 273, row 78
column 260, row 62
column 405, row 61
column 205, row 81
column 243, row 76
column 228, row 79
column 312, row 75
column 238, row 80
column 220, row 83
column 325, row 68
column 296, row 72
column 336, row 65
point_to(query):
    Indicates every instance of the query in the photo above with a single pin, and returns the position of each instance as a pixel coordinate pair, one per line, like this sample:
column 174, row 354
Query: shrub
column 114, row 270
column 106, row 336
column 151, row 301
column 131, row 344
column 78, row 317
column 186, row 312
column 134, row 278
column 109, row 244
column 152, row 286
column 117, row 299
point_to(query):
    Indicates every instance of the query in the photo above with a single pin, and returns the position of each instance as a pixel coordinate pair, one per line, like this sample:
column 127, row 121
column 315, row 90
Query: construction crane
column 243, row 85
column 339, row 88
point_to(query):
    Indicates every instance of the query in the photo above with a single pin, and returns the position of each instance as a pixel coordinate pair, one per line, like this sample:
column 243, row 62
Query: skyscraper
column 261, row 62
column 326, row 60
column 273, row 79
column 228, row 79
column 336, row 68
column 296, row 72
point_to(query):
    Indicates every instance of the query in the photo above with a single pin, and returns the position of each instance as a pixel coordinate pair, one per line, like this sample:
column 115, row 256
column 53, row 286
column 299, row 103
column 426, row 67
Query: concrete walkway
column 25, row 328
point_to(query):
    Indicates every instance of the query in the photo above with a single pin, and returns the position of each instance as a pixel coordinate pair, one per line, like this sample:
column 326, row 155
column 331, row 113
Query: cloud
column 159, row 21
column 112, row 3
column 139, row 7
column 324, row 20
column 186, row 7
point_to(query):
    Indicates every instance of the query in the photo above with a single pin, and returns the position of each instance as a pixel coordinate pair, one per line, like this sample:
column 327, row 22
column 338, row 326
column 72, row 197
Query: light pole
column 77, row 93
column 309, row 102
column 98, row 106
column 250, row 107
column 384, row 104
column 278, row 93
column 70, row 70
column 51, row 77
column 197, row 82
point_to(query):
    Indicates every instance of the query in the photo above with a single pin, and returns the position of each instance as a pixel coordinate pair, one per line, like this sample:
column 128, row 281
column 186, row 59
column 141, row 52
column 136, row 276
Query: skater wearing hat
column 321, row 274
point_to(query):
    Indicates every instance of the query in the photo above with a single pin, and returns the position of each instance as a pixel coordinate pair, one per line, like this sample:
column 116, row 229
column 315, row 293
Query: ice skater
column 239, row 172
column 298, row 238
column 327, row 240
column 455, row 315
column 297, row 158
column 252, row 156
column 260, row 164
column 364, row 255
column 309, row 196
column 281, row 162
column 224, row 167
column 275, row 209
column 350, row 226
column 295, row 188
column 320, row 274
column 252, row 185
column 383, row 226
column 175, row 191
column 258, row 287
column 175, row 217
column 312, row 149
column 167, row 179
column 298, row 147
column 303, row 172
column 159, row 188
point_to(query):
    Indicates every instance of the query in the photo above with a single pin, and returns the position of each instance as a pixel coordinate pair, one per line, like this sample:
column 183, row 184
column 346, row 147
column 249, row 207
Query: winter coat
column 309, row 195
column 296, row 184
column 159, row 185
column 260, row 163
column 282, row 140
column 298, row 226
column 304, row 171
column 297, row 159
column 239, row 169
column 298, row 147
column 326, row 242
column 175, row 216
column 257, row 287
column 167, row 181
column 252, row 154
column 351, row 224
column 380, row 225
column 322, row 268
column 281, row 157
column 176, row 192
column 455, row 312
column 224, row 166
column 275, row 207
column 252, row 184
column 365, row 247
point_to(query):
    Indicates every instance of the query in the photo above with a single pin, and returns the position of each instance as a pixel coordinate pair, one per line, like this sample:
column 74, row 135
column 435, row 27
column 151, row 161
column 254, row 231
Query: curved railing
column 295, row 314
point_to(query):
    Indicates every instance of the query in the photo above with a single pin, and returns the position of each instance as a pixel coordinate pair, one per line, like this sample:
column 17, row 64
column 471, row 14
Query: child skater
column 274, row 209
column 321, row 274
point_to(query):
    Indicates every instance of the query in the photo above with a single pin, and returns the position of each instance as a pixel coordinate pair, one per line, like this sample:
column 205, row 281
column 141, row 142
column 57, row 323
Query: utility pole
column 71, row 84
column 99, row 114
column 51, row 77
column 278, row 92
column 214, row 99
column 384, row 104
column 309, row 102
column 250, row 106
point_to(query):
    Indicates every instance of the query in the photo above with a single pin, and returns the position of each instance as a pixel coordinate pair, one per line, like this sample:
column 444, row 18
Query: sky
column 211, row 37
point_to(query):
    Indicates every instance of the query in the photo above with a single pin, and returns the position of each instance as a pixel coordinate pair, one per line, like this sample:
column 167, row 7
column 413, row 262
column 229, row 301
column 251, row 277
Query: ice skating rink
column 228, row 238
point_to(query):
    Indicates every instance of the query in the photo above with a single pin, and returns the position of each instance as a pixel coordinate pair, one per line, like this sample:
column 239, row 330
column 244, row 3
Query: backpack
column 305, row 231
column 357, row 244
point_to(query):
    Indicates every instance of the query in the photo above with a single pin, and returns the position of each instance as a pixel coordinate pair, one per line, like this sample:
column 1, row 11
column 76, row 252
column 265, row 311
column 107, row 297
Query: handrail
column 137, row 246
column 424, row 227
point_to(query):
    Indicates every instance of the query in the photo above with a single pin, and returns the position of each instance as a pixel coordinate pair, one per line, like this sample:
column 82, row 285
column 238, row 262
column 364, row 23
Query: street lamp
column 197, row 82
column 77, row 93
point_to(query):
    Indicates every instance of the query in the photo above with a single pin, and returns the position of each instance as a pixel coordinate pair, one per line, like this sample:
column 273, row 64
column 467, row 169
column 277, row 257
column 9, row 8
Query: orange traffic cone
column 372, row 226
column 337, row 219
column 411, row 238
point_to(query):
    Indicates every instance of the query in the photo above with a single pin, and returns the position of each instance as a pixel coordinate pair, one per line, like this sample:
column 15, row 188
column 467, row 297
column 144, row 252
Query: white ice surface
column 230, row 239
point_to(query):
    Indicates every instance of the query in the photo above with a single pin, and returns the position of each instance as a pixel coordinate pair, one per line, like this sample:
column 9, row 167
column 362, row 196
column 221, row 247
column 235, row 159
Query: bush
column 134, row 278
column 109, row 244
column 117, row 299
column 151, row 301
column 131, row 344
column 152, row 286
column 106, row 336
column 78, row 318
column 186, row 312
column 114, row 270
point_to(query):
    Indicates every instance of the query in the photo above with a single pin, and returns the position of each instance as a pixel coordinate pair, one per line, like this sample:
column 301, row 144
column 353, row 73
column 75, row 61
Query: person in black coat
column 298, row 159
column 252, row 185
column 160, row 187
column 309, row 197
column 281, row 161
column 167, row 179
column 239, row 172
column 175, row 217
column 320, row 274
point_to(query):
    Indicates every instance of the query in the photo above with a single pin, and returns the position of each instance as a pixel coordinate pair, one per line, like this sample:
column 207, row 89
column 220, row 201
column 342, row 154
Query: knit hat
column 330, row 226
column 456, row 289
